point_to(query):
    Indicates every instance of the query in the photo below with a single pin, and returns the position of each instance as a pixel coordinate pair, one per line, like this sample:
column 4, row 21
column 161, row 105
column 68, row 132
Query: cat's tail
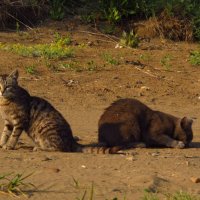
column 101, row 150
column 97, row 149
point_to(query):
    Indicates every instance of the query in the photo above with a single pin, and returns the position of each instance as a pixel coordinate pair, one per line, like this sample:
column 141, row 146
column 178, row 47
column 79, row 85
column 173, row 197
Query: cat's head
column 184, row 131
column 8, row 84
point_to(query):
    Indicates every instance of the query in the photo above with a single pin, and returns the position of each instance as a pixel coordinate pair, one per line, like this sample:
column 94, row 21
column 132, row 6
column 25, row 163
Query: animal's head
column 183, row 131
column 8, row 85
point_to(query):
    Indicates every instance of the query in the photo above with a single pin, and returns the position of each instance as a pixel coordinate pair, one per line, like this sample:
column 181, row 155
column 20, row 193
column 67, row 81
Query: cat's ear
column 14, row 74
column 186, row 122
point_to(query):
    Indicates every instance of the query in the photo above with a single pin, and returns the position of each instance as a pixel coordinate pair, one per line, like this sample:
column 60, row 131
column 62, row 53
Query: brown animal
column 38, row 118
column 129, row 123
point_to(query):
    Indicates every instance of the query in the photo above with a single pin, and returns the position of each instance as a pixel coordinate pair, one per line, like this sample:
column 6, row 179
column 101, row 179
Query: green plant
column 14, row 184
column 196, row 27
column 72, row 66
column 17, row 27
column 181, row 196
column 177, row 196
column 108, row 28
column 75, row 183
column 49, row 51
column 61, row 41
column 51, row 66
column 91, row 66
column 145, row 57
column 150, row 196
column 166, row 61
column 31, row 69
column 129, row 39
column 113, row 15
column 88, row 18
column 57, row 9
column 195, row 57
column 110, row 59
column 91, row 195
column 116, row 11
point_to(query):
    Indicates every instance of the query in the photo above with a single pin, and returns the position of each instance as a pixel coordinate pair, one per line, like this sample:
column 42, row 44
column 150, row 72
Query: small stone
column 155, row 154
column 195, row 179
column 139, row 82
column 52, row 169
column 56, row 170
column 130, row 158
column 118, row 46
column 145, row 88
column 90, row 43
column 46, row 159
column 116, row 190
column 187, row 163
column 83, row 166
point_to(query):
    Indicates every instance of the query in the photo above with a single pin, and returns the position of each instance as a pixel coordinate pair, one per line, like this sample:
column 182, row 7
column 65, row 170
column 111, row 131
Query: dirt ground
column 158, row 73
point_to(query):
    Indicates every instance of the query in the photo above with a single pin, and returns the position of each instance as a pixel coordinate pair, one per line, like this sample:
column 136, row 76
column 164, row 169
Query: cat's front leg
column 6, row 133
column 177, row 144
column 17, row 130
column 167, row 141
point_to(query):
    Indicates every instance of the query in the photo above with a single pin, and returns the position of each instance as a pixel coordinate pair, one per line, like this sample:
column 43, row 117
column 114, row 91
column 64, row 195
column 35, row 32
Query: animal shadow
column 194, row 145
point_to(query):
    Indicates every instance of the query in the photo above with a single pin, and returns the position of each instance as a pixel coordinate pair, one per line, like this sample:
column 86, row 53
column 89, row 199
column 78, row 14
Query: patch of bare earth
column 82, row 96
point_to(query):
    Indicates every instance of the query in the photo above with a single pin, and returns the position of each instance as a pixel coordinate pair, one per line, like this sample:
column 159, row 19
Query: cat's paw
column 180, row 145
column 2, row 144
column 37, row 148
column 7, row 147
column 141, row 145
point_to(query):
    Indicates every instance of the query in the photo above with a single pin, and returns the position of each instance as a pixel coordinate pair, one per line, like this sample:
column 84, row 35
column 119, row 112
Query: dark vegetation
column 172, row 19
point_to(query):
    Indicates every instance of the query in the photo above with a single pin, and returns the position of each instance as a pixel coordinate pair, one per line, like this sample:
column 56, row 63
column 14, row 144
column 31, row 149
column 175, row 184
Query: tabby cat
column 130, row 123
column 38, row 118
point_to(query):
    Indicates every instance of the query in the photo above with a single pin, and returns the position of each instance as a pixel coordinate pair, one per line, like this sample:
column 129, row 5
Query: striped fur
column 38, row 118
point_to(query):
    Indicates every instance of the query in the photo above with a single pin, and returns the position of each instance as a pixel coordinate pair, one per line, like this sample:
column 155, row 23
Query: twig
column 28, row 27
column 192, row 156
column 145, row 72
column 99, row 34
column 105, row 41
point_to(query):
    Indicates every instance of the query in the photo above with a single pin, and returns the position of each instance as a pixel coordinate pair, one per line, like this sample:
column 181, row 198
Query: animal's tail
column 101, row 150
column 96, row 149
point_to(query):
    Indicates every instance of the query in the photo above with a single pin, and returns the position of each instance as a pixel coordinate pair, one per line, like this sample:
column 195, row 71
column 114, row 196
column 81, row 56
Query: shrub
column 195, row 58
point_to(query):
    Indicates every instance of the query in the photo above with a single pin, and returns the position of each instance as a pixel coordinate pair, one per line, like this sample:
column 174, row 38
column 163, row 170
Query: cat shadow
column 194, row 145
column 24, row 146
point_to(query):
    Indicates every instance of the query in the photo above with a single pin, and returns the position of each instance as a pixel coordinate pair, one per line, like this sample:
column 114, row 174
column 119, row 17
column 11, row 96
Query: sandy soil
column 172, row 87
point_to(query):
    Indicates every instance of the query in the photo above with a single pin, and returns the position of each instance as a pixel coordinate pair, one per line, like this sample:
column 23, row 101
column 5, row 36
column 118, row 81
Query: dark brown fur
column 128, row 122
column 38, row 118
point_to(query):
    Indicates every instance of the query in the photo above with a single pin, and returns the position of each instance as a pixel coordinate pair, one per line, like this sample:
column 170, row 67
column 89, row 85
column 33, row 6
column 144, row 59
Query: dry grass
column 166, row 26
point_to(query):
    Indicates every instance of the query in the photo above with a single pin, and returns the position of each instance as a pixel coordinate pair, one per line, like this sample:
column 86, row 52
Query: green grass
column 145, row 57
column 110, row 59
column 55, row 50
column 60, row 40
column 129, row 39
column 182, row 196
column 31, row 69
column 166, row 61
column 195, row 57
column 14, row 184
column 177, row 196
column 91, row 66
column 150, row 196
column 49, row 51
column 73, row 66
